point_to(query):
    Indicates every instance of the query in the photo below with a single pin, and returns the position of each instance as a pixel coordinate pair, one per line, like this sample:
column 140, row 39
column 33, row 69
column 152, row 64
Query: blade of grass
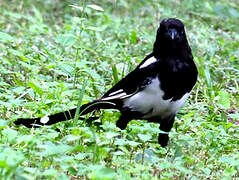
column 115, row 73
column 82, row 91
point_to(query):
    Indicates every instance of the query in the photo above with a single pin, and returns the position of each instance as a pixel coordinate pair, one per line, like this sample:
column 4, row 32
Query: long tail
column 66, row 115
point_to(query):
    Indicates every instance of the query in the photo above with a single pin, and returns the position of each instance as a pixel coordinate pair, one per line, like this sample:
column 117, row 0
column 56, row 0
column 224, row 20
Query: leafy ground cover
column 50, row 50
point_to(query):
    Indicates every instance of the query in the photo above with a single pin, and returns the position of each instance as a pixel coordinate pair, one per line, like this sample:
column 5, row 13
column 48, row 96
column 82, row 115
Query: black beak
column 173, row 33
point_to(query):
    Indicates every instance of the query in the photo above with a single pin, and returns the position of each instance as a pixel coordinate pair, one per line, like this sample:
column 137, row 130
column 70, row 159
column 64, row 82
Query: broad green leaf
column 64, row 177
column 111, row 135
column 230, row 171
column 133, row 143
column 9, row 133
column 234, row 116
column 67, row 67
column 234, row 12
column 221, row 10
column 66, row 39
column 5, row 37
column 119, row 153
column 16, row 52
column 51, row 172
column 3, row 164
column 12, row 158
column 3, row 122
column 103, row 174
column 144, row 137
column 120, row 142
column 52, row 149
column 224, row 99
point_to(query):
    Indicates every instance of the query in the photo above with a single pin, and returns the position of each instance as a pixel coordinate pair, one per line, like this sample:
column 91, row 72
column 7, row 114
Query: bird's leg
column 122, row 122
column 165, row 125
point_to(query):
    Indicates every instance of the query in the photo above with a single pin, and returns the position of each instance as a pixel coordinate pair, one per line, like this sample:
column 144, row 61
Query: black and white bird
column 153, row 91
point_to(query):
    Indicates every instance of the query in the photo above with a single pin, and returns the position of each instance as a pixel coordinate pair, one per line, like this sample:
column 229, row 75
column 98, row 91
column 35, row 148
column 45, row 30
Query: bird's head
column 170, row 36
column 171, row 29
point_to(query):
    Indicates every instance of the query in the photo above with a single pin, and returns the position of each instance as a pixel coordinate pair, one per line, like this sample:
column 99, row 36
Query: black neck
column 169, row 49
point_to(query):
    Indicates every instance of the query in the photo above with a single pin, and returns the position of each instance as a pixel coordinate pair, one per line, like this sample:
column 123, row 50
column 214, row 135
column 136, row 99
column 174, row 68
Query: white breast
column 151, row 101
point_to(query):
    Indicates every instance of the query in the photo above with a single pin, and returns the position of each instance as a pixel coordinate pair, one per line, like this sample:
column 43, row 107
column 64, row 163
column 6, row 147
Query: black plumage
column 153, row 91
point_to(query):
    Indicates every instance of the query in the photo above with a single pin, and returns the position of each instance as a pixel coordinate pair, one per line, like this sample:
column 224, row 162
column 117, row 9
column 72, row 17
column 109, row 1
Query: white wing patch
column 151, row 101
column 117, row 96
column 148, row 62
column 116, row 92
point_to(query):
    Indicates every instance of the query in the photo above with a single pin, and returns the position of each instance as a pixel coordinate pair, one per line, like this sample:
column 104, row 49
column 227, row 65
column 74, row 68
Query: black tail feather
column 66, row 115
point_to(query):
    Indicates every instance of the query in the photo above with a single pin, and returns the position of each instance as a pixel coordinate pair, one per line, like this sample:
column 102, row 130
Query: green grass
column 51, row 53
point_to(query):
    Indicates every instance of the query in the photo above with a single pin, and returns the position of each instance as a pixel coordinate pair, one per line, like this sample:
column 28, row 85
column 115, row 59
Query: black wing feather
column 133, row 82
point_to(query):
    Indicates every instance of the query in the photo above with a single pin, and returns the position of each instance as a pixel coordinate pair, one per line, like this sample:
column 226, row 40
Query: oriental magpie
column 153, row 91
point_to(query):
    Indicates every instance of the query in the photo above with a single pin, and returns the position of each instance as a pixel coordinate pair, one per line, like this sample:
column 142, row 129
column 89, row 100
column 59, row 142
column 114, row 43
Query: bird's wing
column 134, row 82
